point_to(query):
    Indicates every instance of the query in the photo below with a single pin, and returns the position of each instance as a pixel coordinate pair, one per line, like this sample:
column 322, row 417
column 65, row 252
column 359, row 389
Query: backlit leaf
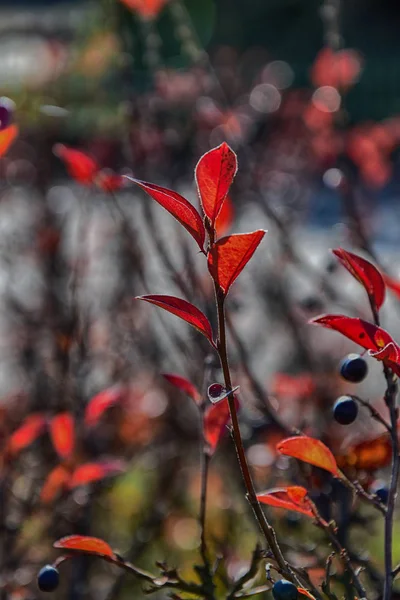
column 184, row 310
column 62, row 433
column 365, row 273
column 368, row 455
column 184, row 385
column 85, row 544
column 309, row 450
column 178, row 207
column 214, row 174
column 216, row 419
column 95, row 471
column 225, row 217
column 31, row 428
column 101, row 402
column 55, row 482
column 7, row 137
column 81, row 167
column 228, row 257
column 147, row 9
column 292, row 498
column 108, row 181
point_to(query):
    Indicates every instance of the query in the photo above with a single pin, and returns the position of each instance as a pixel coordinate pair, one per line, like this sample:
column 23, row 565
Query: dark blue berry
column 353, row 368
column 381, row 490
column 6, row 112
column 345, row 410
column 284, row 590
column 48, row 578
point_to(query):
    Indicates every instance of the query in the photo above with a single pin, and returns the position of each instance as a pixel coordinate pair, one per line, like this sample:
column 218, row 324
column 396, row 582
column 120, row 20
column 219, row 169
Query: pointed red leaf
column 31, row 428
column 365, row 273
column 216, row 419
column 184, row 385
column 62, row 433
column 214, row 174
column 184, row 212
column 228, row 257
column 292, row 498
column 55, row 482
column 7, row 137
column 85, row 544
column 306, row 593
column 392, row 284
column 81, row 167
column 101, row 402
column 309, row 450
column 225, row 218
column 184, row 310
column 95, row 471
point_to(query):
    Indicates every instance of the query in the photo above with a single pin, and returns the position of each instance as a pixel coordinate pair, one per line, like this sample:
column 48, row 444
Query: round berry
column 284, row 590
column 381, row 490
column 7, row 107
column 48, row 578
column 353, row 368
column 215, row 391
column 345, row 410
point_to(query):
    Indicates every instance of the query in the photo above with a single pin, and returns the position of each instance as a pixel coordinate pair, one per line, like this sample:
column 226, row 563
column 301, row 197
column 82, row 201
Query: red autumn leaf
column 365, row 273
column 310, row 451
column 214, row 174
column 101, row 402
column 62, row 433
column 56, row 481
column 86, row 545
column 108, row 181
column 228, row 257
column 184, row 212
column 369, row 455
column 81, row 167
column 305, row 592
column 94, row 471
column 216, row 419
column 7, row 136
column 31, row 428
column 392, row 284
column 292, row 498
column 147, row 9
column 184, row 385
column 184, row 310
column 225, row 217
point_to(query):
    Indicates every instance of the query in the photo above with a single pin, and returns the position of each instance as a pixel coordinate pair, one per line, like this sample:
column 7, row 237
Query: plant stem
column 266, row 528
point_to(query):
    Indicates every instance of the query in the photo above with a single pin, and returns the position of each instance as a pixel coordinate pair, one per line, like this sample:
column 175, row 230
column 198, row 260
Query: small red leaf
column 392, row 284
column 147, row 9
column 31, row 428
column 214, row 174
column 216, row 418
column 228, row 257
column 309, row 450
column 292, row 498
column 55, row 482
column 184, row 385
column 7, row 137
column 305, row 592
column 101, row 402
column 184, row 310
column 184, row 212
column 95, row 471
column 62, row 433
column 365, row 273
column 225, row 218
column 109, row 181
column 81, row 167
column 86, row 545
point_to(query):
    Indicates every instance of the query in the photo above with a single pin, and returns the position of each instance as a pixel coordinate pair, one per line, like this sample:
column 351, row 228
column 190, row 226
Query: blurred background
column 307, row 92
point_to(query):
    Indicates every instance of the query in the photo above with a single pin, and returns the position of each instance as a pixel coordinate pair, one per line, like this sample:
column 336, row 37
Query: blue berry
column 345, row 410
column 284, row 590
column 48, row 578
column 7, row 107
column 381, row 490
column 353, row 368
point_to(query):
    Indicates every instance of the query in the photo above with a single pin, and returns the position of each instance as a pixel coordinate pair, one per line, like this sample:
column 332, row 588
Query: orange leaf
column 292, row 498
column 62, row 434
column 228, row 257
column 184, row 385
column 81, row 167
column 214, row 174
column 55, row 482
column 31, row 428
column 365, row 273
column 311, row 451
column 147, row 9
column 101, row 402
column 225, row 218
column 305, row 592
column 368, row 455
column 184, row 310
column 216, row 419
column 7, row 136
column 95, row 471
column 86, row 545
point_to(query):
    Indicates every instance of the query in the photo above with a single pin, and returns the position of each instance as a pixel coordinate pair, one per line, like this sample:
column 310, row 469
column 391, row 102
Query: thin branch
column 374, row 413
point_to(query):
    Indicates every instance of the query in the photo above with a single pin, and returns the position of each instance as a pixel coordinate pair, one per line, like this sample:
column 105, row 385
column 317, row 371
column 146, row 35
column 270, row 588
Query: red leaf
column 216, row 419
column 365, row 273
column 214, row 174
column 109, row 181
column 86, row 545
column 292, row 498
column 184, row 385
column 101, row 402
column 81, row 167
column 147, row 9
column 228, row 257
column 62, row 433
column 184, row 310
column 55, row 482
column 95, row 471
column 311, row 451
column 392, row 284
column 7, row 137
column 225, row 217
column 184, row 212
column 368, row 455
column 31, row 428
column 305, row 592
